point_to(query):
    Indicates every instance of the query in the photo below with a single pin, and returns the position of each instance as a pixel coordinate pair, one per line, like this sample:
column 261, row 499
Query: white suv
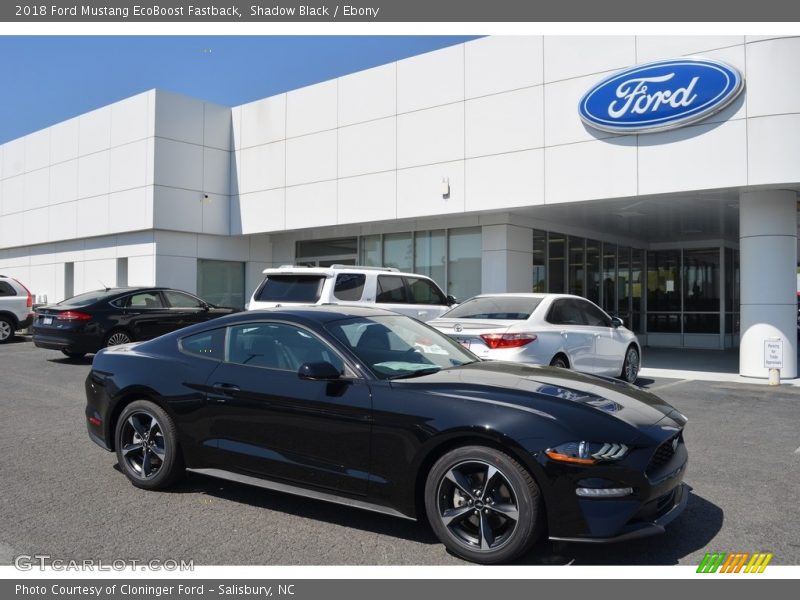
column 16, row 307
column 408, row 293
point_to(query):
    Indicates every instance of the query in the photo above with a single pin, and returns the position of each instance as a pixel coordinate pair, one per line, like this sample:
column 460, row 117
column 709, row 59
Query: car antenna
column 104, row 285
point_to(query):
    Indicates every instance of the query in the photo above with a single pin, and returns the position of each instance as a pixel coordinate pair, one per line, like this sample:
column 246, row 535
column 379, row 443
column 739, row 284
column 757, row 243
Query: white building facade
column 469, row 164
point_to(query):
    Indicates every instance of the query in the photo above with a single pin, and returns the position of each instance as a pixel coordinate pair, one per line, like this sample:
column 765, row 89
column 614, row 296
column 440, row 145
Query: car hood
column 540, row 388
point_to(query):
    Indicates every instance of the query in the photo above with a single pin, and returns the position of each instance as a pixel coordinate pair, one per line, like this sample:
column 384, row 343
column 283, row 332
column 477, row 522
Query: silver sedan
column 547, row 329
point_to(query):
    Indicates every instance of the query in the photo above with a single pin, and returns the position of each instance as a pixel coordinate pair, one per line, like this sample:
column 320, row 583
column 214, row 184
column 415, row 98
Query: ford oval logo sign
column 660, row 95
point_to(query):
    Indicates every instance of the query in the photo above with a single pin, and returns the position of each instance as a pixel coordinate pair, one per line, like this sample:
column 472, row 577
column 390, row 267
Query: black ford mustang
column 376, row 410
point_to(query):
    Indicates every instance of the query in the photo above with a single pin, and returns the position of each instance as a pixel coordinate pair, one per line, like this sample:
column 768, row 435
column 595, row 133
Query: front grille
column 663, row 455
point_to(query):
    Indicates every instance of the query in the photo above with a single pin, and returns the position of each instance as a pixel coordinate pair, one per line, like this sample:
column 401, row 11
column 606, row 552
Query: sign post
column 773, row 359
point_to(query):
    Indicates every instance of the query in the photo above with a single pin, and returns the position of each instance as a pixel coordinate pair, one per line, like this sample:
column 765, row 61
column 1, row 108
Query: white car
column 16, row 308
column 547, row 329
column 408, row 293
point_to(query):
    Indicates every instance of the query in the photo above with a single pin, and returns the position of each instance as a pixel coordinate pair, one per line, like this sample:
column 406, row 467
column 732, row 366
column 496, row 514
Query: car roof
column 334, row 269
column 526, row 295
column 321, row 313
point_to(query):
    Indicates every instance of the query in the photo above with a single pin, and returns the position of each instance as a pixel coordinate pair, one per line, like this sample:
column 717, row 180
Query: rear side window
column 291, row 288
column 508, row 308
column 349, row 286
column 208, row 344
column 391, row 289
column 565, row 312
column 424, row 291
column 6, row 289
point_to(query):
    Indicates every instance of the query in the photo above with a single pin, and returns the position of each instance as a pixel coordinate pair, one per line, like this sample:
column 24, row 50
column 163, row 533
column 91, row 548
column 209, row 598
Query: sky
column 50, row 79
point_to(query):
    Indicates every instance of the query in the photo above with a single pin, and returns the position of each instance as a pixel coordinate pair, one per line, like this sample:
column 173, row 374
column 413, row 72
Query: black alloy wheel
column 482, row 504
column 630, row 368
column 147, row 446
column 117, row 337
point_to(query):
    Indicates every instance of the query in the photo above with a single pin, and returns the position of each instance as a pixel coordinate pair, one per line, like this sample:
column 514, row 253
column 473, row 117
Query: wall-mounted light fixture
column 445, row 187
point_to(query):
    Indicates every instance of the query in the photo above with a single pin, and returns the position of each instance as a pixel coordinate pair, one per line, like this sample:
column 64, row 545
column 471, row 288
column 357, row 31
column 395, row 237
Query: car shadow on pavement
column 66, row 360
column 691, row 531
column 335, row 514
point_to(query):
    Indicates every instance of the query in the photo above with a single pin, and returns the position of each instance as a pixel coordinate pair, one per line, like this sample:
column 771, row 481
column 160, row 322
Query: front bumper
column 641, row 529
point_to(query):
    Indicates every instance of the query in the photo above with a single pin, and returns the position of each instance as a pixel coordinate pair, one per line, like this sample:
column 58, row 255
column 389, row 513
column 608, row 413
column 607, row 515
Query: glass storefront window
column 539, row 258
column 701, row 279
column 370, row 251
column 593, row 270
column 464, row 264
column 556, row 246
column 430, row 255
column 398, row 251
column 609, row 278
column 221, row 282
column 577, row 265
column 664, row 281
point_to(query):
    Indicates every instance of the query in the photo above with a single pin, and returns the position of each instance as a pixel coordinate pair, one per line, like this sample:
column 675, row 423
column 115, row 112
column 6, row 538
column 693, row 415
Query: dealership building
column 471, row 164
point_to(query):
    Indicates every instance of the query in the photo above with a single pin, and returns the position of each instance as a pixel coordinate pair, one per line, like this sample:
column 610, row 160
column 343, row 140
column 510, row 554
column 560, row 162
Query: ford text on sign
column 659, row 96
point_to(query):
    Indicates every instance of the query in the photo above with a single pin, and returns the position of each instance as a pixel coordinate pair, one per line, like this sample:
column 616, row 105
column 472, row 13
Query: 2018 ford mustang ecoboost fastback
column 376, row 410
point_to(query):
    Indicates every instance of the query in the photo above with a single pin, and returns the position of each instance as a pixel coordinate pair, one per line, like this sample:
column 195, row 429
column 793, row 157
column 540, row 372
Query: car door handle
column 564, row 334
column 225, row 388
column 596, row 335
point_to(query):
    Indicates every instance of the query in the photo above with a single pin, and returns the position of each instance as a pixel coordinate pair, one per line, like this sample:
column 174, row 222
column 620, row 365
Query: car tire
column 559, row 361
column 484, row 524
column 115, row 337
column 147, row 447
column 6, row 330
column 630, row 367
column 71, row 354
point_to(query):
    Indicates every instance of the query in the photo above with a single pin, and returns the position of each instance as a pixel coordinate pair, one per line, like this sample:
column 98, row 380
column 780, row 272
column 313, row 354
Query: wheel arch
column 565, row 354
column 11, row 317
column 126, row 397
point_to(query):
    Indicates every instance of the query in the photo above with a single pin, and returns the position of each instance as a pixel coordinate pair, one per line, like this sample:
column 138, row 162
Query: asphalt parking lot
column 62, row 495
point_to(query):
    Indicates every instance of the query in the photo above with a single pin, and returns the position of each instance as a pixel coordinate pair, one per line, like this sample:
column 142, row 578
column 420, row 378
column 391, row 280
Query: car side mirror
column 616, row 322
column 318, row 370
column 205, row 306
column 451, row 300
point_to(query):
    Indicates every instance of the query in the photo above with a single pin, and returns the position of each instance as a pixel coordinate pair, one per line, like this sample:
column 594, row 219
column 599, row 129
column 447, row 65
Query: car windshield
column 396, row 346
column 510, row 308
column 88, row 298
column 291, row 288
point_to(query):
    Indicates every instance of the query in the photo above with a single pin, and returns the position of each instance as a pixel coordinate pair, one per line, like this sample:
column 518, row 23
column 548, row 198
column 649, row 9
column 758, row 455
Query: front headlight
column 587, row 453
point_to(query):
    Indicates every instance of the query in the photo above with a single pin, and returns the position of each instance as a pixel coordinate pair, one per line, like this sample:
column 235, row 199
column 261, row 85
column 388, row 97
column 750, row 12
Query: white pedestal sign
column 773, row 354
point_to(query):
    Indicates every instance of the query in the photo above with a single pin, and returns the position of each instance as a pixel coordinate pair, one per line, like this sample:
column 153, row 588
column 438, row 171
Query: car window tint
column 424, row 291
column 565, row 312
column 391, row 289
column 291, row 288
column 145, row 300
column 512, row 308
column 592, row 315
column 278, row 346
column 181, row 300
column 6, row 289
column 349, row 286
column 208, row 344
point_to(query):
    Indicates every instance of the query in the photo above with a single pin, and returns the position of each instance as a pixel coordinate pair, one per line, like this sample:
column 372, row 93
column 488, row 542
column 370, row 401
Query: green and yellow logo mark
column 735, row 562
